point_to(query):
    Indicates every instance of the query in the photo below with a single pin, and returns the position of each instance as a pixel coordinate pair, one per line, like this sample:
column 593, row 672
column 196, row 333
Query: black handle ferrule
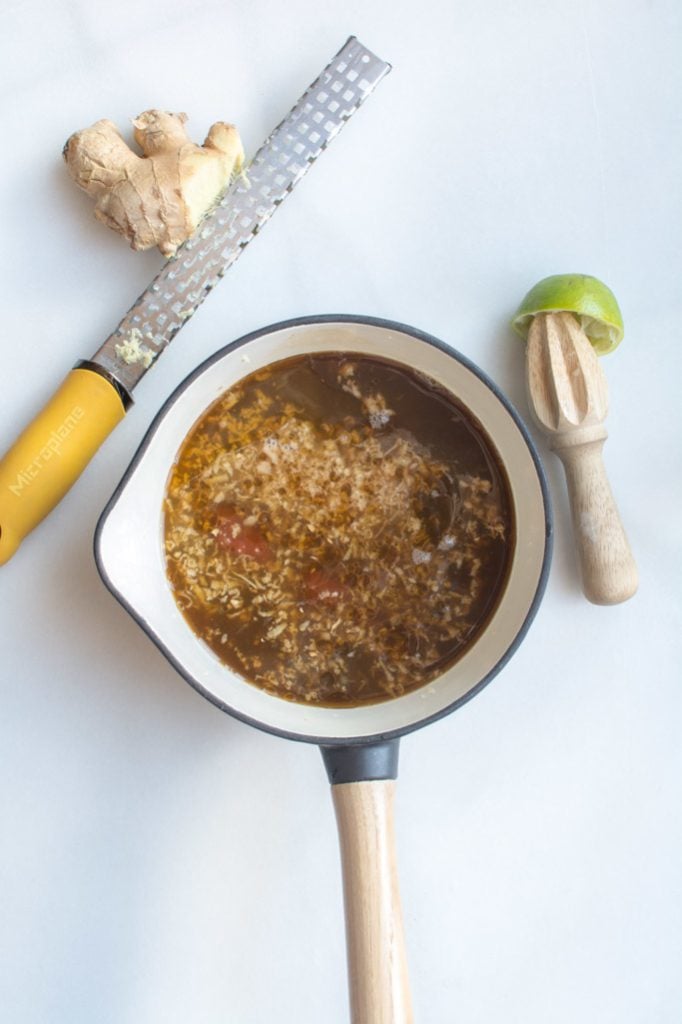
column 362, row 762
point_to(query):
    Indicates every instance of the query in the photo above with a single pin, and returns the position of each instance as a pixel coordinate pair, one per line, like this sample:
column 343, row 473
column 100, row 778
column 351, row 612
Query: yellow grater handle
column 53, row 451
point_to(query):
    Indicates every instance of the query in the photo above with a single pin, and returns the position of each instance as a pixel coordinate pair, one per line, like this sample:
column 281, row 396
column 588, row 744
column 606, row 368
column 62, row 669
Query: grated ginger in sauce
column 337, row 529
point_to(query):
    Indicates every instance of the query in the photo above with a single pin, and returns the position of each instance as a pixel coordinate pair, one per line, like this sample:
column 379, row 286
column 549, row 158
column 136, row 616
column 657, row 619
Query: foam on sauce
column 338, row 529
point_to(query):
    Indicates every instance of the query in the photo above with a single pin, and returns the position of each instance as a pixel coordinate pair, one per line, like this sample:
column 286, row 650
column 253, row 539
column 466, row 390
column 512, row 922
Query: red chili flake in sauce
column 324, row 587
column 236, row 536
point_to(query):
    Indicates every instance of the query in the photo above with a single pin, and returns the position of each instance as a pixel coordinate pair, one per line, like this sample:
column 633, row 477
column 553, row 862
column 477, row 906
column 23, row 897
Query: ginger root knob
column 160, row 197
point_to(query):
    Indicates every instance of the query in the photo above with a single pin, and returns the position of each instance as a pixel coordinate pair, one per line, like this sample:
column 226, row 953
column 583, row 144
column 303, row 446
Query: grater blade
column 246, row 205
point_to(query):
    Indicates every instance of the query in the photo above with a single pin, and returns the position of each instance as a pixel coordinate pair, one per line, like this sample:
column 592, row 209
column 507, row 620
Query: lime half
column 588, row 298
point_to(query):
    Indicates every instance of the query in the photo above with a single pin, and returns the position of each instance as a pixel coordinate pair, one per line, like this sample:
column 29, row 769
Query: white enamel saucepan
column 359, row 744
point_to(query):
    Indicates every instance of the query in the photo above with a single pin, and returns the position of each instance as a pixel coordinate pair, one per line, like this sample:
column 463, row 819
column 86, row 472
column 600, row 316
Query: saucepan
column 359, row 744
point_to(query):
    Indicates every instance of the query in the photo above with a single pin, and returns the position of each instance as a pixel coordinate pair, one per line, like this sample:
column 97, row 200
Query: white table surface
column 162, row 863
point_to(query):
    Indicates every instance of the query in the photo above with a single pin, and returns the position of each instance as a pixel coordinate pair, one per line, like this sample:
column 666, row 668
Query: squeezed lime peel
column 589, row 299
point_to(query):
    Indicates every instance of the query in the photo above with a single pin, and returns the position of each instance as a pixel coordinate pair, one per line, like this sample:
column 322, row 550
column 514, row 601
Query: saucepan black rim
column 306, row 321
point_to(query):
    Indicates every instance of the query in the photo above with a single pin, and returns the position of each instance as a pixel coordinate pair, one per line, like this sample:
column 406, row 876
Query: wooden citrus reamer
column 568, row 396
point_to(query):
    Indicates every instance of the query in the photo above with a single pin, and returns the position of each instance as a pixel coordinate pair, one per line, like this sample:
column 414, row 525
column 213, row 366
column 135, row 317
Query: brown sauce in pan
column 338, row 528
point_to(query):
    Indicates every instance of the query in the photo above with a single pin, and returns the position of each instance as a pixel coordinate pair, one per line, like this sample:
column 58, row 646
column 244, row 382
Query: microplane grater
column 246, row 205
column 53, row 450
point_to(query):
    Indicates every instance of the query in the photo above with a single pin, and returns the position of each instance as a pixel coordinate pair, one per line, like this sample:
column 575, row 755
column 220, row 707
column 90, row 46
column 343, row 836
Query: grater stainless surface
column 247, row 204
column 54, row 449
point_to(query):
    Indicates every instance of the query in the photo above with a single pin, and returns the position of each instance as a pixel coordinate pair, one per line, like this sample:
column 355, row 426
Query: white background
column 162, row 863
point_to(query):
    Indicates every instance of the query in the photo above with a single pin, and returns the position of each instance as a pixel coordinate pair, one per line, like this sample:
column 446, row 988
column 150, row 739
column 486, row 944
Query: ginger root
column 160, row 197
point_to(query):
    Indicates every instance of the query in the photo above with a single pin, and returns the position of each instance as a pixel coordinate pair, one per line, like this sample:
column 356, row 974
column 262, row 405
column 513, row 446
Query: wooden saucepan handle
column 377, row 964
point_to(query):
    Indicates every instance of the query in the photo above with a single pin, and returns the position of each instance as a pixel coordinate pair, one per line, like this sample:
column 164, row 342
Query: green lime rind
column 593, row 303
